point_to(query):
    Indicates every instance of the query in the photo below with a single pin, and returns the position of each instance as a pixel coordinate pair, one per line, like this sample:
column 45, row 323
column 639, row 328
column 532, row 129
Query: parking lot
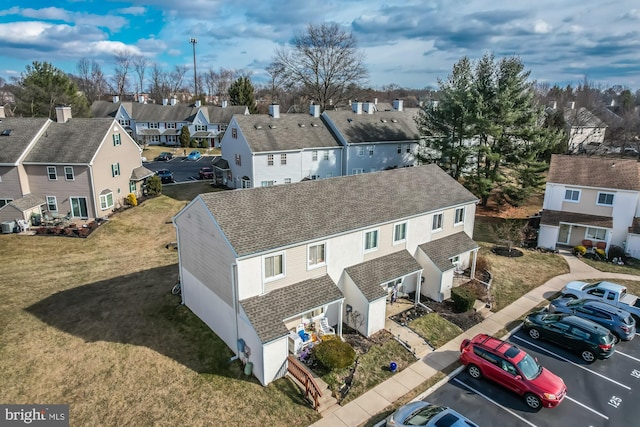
column 183, row 170
column 604, row 393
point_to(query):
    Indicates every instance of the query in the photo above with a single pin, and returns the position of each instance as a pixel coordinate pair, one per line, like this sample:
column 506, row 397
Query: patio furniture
column 325, row 328
column 587, row 243
column 601, row 245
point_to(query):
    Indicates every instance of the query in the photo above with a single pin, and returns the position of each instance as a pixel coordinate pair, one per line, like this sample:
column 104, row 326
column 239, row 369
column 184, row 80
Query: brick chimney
column 63, row 114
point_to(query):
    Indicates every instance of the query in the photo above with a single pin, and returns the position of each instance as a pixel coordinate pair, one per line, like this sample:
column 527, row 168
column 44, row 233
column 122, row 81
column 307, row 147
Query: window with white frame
column 267, row 183
column 360, row 151
column 5, row 202
column 155, row 125
column 115, row 169
column 269, row 159
column 459, row 219
column 437, row 222
column 314, row 177
column 455, row 260
column 287, row 180
column 329, row 174
column 400, row 232
column 132, row 187
column 52, row 204
column 172, row 138
column 357, row 171
column 106, row 201
column 52, row 172
column 596, row 233
column 399, row 148
column 234, row 133
column 238, row 160
column 68, row 173
column 571, row 195
column 316, row 254
column 154, row 138
column 605, row 199
column 170, row 125
column 314, row 155
column 274, row 266
column 116, row 139
column 370, row 150
column 393, row 284
column 370, row 240
column 124, row 122
column 283, row 159
column 407, row 148
column 325, row 155
column 201, row 128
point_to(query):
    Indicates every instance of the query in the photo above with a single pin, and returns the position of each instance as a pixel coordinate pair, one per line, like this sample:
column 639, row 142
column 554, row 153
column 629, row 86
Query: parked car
column 206, row 173
column 513, row 368
column 590, row 340
column 166, row 176
column 194, row 155
column 618, row 321
column 422, row 413
column 609, row 292
column 164, row 156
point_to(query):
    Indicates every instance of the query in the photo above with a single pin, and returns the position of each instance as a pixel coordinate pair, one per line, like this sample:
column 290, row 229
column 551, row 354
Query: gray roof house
column 77, row 167
column 156, row 124
column 266, row 267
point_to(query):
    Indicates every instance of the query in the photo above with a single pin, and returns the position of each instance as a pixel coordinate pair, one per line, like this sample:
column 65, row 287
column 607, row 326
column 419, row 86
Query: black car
column 166, row 176
column 164, row 156
column 587, row 338
column 618, row 321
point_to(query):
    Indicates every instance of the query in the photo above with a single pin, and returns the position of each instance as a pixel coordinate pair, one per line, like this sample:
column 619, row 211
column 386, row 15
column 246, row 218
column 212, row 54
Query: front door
column 79, row 207
column 564, row 233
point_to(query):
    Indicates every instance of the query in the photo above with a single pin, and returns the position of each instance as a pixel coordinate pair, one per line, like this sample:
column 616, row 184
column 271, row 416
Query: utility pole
column 193, row 41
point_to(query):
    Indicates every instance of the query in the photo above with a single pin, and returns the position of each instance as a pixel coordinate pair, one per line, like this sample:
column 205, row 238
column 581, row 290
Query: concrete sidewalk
column 374, row 401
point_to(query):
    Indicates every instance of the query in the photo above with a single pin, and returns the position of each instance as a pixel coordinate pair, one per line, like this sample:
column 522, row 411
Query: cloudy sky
column 410, row 43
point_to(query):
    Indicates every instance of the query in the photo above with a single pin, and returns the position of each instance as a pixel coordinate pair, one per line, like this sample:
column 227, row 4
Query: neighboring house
column 81, row 167
column 268, row 149
column 583, row 128
column 591, row 198
column 257, row 265
column 155, row 124
column 375, row 139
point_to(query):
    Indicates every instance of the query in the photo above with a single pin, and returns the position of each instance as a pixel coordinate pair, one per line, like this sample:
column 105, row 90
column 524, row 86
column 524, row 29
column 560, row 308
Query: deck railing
column 300, row 373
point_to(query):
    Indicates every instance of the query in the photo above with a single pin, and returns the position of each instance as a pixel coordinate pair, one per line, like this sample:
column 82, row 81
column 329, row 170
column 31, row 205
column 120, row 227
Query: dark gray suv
column 618, row 321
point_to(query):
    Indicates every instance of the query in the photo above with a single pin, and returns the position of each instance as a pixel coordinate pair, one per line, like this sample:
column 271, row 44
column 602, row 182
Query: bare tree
column 159, row 87
column 90, row 79
column 322, row 62
column 140, row 64
column 218, row 82
column 175, row 78
column 121, row 75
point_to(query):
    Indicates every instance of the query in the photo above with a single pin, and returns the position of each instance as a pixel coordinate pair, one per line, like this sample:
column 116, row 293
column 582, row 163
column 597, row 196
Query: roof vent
column 315, row 125
column 6, row 132
column 257, row 126
column 349, row 120
column 272, row 126
column 394, row 120
column 302, row 125
column 383, row 120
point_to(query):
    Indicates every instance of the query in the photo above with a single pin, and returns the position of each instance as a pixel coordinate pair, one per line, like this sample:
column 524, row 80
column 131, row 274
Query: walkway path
column 360, row 410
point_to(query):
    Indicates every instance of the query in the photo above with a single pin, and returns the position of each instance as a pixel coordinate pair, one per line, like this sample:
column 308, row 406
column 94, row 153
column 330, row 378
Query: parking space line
column 573, row 363
column 626, row 355
column 494, row 402
column 586, row 407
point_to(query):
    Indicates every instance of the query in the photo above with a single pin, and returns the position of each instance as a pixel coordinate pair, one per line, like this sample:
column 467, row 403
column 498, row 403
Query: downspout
column 92, row 193
column 234, row 285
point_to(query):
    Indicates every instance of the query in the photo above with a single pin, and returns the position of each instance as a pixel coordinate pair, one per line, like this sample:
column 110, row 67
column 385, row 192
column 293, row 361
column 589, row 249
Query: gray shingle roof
column 549, row 217
column 166, row 113
column 381, row 126
column 594, row 172
column 267, row 312
column 220, row 163
column 27, row 201
column 288, row 132
column 266, row 218
column 75, row 141
column 140, row 173
column 23, row 130
column 440, row 251
column 370, row 275
column 582, row 117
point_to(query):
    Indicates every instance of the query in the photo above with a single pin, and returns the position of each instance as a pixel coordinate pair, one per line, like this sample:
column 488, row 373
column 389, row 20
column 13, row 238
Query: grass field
column 91, row 322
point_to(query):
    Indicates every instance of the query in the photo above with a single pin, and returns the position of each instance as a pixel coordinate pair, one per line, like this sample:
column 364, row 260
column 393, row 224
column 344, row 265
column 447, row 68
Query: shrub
column 616, row 252
column 154, row 185
column 132, row 199
column 482, row 263
column 579, row 250
column 463, row 299
column 334, row 354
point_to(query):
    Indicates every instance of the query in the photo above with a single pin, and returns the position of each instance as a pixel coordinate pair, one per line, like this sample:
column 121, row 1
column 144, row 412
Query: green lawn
column 435, row 329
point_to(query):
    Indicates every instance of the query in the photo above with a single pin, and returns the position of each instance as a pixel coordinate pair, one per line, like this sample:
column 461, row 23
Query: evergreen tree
column 43, row 87
column 241, row 93
column 185, row 136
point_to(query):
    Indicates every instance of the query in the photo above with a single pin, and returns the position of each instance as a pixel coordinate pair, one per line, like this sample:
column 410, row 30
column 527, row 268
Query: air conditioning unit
column 8, row 227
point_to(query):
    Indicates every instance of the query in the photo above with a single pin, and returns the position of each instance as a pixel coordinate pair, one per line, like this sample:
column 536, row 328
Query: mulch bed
column 505, row 251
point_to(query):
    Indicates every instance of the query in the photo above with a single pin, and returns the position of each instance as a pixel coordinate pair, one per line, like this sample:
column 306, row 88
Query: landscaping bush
column 333, row 353
column 154, row 185
column 463, row 298
column 579, row 250
column 132, row 199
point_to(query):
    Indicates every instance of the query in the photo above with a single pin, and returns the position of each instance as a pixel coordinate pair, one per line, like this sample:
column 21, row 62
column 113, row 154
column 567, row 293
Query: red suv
column 512, row 368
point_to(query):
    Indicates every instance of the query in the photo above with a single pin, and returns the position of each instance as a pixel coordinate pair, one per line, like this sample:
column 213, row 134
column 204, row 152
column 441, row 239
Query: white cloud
column 134, row 10
column 541, row 27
